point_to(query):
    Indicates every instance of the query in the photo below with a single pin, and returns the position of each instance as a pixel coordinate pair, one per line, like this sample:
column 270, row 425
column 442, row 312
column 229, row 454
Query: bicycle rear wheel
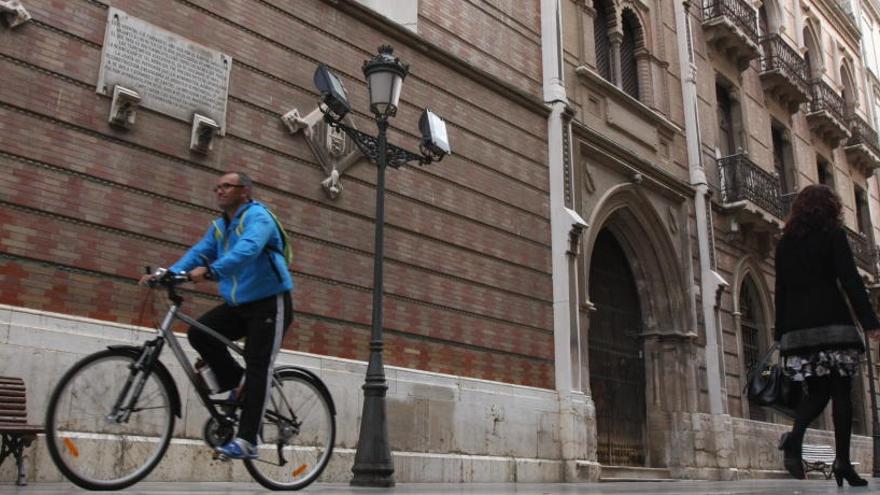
column 95, row 447
column 297, row 433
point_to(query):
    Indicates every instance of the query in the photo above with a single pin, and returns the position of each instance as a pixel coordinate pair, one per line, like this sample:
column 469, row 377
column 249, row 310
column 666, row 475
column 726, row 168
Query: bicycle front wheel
column 95, row 444
column 297, row 433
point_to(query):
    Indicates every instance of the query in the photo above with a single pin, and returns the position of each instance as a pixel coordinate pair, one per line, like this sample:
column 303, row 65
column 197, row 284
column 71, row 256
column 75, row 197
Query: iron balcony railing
column 742, row 180
column 738, row 11
column 779, row 56
column 863, row 251
column 824, row 98
column 862, row 133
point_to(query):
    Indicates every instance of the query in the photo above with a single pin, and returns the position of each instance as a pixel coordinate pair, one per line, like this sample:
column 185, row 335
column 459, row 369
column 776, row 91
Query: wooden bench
column 819, row 458
column 17, row 434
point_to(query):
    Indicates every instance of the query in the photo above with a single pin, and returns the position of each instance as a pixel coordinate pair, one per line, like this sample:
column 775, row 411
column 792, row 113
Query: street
column 744, row 487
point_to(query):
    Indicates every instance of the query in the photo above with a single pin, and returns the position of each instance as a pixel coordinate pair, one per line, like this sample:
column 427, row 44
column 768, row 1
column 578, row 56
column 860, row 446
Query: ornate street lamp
column 373, row 465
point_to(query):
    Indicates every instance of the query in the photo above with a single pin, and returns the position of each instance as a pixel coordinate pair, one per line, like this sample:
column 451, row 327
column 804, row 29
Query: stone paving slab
column 745, row 487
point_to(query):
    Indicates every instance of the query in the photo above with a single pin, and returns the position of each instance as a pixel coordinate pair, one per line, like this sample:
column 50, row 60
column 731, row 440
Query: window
column 729, row 116
column 863, row 215
column 602, row 24
column 825, row 172
column 752, row 329
column 632, row 41
column 783, row 161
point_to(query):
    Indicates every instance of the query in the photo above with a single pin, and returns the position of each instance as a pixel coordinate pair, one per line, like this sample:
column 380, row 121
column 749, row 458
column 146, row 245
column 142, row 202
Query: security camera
column 435, row 142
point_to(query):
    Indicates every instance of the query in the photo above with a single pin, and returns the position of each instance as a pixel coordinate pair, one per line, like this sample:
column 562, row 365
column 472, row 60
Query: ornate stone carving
column 333, row 149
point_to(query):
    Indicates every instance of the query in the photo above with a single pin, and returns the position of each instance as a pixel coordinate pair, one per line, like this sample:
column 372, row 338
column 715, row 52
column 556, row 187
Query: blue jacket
column 244, row 255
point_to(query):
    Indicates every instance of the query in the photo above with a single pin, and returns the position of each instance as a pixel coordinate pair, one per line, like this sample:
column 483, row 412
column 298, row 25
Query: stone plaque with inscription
column 172, row 74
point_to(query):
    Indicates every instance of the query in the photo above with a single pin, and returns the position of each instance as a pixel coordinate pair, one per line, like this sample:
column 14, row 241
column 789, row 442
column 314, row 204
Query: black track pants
column 263, row 323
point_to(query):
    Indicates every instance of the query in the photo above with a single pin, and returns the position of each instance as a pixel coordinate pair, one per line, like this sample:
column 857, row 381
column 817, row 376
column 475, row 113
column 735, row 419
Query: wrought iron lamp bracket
column 369, row 146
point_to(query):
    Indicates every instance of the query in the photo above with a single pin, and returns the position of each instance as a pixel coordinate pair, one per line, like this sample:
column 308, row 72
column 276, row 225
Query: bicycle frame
column 150, row 355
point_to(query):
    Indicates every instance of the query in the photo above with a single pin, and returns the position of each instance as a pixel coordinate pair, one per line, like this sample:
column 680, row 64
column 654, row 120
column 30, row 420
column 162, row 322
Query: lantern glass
column 384, row 92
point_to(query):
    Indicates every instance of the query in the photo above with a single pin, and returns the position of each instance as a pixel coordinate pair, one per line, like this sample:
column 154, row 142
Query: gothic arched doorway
column 617, row 369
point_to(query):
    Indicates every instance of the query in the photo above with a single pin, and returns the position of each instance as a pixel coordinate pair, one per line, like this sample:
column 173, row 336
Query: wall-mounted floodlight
column 333, row 93
column 435, row 141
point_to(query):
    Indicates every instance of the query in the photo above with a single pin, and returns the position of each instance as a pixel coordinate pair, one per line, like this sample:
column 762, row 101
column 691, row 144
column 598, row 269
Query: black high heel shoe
column 792, row 458
column 844, row 471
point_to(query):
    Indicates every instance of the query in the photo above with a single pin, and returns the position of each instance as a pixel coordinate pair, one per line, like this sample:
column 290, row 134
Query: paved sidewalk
column 745, row 487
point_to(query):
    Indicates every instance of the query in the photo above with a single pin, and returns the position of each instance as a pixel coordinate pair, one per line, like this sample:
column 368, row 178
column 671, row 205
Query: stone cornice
column 663, row 125
column 628, row 161
column 413, row 41
column 848, row 26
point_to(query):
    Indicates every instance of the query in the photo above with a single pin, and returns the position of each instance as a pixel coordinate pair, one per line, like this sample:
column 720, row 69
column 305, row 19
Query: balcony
column 731, row 28
column 827, row 113
column 751, row 193
column 784, row 73
column 864, row 253
column 863, row 147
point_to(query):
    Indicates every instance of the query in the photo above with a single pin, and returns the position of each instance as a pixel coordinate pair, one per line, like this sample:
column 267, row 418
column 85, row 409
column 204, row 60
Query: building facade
column 575, row 293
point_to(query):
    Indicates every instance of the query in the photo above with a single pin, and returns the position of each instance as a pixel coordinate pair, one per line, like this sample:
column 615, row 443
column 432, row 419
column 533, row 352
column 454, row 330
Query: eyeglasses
column 226, row 186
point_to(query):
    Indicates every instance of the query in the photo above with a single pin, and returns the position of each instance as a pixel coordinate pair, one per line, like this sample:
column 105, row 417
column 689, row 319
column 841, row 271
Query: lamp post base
column 376, row 478
column 373, row 465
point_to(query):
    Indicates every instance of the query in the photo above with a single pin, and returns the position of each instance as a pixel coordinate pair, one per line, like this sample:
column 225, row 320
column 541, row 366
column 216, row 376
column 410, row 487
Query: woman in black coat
column 818, row 339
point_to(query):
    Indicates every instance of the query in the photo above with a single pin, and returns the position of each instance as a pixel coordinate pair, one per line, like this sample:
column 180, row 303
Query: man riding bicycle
column 243, row 251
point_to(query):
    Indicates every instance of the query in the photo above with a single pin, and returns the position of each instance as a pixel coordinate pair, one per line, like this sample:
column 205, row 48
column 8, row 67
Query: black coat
column 807, row 295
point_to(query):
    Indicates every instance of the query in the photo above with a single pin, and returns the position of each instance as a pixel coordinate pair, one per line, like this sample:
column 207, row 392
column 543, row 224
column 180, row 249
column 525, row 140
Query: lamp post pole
column 372, row 463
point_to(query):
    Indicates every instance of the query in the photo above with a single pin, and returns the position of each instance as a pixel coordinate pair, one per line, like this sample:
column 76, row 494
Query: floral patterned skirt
column 843, row 362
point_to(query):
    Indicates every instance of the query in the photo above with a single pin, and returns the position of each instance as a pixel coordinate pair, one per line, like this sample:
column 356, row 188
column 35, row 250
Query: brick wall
column 84, row 206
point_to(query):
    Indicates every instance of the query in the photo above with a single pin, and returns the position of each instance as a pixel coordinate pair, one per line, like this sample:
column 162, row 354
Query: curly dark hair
column 817, row 207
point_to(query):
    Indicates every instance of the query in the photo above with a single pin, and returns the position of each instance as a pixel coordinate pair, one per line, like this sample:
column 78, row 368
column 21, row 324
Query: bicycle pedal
column 220, row 457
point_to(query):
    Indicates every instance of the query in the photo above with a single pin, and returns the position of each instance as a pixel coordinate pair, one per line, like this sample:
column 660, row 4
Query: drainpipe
column 563, row 222
column 711, row 283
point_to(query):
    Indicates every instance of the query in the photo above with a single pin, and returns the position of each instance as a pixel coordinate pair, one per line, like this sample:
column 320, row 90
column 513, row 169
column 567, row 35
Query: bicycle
column 111, row 417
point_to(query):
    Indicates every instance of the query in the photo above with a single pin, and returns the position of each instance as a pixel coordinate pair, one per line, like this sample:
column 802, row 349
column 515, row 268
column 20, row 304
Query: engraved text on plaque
column 173, row 75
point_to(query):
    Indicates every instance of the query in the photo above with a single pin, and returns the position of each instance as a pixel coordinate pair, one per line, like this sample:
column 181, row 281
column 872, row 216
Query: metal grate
column 742, row 180
column 601, row 24
column 750, row 317
column 738, row 11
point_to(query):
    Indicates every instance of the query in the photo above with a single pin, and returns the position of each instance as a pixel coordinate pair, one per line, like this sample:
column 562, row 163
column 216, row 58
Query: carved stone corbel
column 14, row 12
column 333, row 149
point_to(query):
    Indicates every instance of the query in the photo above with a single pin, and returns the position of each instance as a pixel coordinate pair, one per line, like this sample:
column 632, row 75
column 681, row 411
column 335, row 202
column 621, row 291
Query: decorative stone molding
column 203, row 132
column 578, row 225
column 123, row 107
column 14, row 12
column 333, row 149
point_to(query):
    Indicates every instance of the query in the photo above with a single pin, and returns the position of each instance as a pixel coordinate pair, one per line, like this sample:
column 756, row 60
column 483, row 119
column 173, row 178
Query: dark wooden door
column 617, row 369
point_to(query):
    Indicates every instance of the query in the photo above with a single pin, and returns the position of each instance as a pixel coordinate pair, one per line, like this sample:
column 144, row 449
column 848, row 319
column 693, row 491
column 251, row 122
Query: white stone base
column 442, row 428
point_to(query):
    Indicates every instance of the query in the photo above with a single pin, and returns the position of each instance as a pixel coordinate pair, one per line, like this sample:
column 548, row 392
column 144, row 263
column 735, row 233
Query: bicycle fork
column 137, row 378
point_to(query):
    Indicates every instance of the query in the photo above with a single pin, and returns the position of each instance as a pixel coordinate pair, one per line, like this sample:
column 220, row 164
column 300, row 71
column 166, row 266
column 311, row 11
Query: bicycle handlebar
column 165, row 278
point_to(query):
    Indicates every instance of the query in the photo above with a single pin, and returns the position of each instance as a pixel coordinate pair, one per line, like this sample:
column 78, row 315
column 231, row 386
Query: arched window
column 753, row 333
column 633, row 40
column 602, row 24
column 849, row 89
column 768, row 17
column 813, row 55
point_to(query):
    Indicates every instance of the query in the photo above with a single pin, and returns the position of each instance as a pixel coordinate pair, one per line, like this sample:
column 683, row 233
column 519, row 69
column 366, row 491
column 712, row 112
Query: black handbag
column 768, row 386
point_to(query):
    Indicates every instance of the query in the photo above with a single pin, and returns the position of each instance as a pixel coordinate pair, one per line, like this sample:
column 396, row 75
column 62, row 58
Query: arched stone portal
column 640, row 314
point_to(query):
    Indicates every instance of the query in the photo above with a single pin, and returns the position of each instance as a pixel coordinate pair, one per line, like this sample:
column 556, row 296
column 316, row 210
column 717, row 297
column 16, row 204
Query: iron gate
column 617, row 369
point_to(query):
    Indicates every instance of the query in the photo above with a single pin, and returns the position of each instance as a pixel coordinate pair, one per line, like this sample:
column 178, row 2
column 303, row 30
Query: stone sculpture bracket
column 333, row 149
column 14, row 12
